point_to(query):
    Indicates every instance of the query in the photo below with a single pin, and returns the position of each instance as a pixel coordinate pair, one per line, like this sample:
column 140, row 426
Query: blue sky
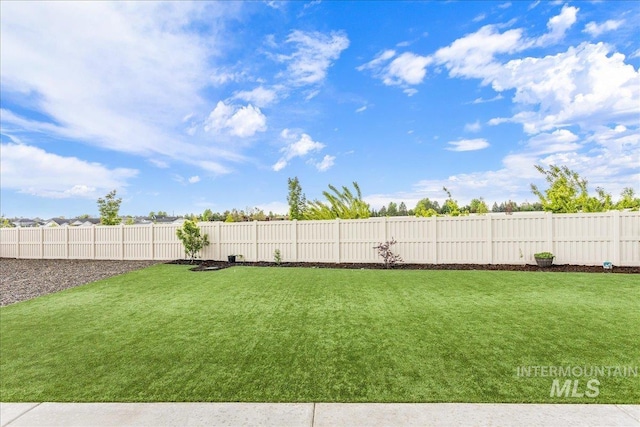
column 187, row 106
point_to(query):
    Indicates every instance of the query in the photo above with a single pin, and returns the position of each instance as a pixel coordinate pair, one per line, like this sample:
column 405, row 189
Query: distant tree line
column 567, row 192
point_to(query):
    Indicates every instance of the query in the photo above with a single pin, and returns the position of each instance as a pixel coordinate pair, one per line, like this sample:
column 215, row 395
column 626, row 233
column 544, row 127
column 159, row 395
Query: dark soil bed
column 206, row 265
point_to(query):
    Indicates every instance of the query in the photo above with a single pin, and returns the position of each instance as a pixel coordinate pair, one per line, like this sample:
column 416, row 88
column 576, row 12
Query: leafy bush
column 191, row 239
column 277, row 256
column 384, row 250
column 543, row 255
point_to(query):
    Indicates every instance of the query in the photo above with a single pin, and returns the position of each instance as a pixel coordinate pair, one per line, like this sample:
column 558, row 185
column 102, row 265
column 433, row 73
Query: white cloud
column 596, row 29
column 484, row 101
column 159, row 163
column 120, row 76
column 279, row 165
column 222, row 76
column 560, row 140
column 194, row 179
column 558, row 26
column 53, row 176
column 587, row 86
column 314, row 53
column 361, row 109
column 407, row 68
column 326, row 163
column 378, row 61
column 473, row 55
column 468, row 144
column 242, row 121
column 480, row 17
column 259, row 96
column 297, row 146
column 473, row 127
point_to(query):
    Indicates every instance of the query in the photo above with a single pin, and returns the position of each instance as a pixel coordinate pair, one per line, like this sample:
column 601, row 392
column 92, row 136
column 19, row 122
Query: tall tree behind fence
column 582, row 239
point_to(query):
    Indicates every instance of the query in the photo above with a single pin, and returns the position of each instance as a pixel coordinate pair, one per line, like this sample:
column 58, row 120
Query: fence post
column 433, row 228
column 18, row 242
column 41, row 242
column 152, row 249
column 255, row 240
column 66, row 246
column 616, row 238
column 295, row 240
column 489, row 239
column 122, row 241
column 218, row 256
column 337, row 239
column 93, row 241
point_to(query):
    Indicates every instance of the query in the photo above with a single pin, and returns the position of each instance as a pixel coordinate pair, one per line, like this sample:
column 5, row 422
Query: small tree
column 628, row 200
column 207, row 215
column 478, row 206
column 389, row 258
column 109, row 207
column 191, row 239
column 341, row 204
column 296, row 199
column 567, row 192
column 426, row 208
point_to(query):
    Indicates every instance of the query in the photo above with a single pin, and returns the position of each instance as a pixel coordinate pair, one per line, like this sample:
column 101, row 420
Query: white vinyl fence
column 582, row 239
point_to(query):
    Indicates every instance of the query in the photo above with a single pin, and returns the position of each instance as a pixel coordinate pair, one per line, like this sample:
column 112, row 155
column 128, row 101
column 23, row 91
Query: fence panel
column 461, row 240
column 10, row 242
column 318, row 241
column 166, row 245
column 81, row 242
column 516, row 238
column 587, row 239
column 629, row 240
column 54, row 243
column 583, row 239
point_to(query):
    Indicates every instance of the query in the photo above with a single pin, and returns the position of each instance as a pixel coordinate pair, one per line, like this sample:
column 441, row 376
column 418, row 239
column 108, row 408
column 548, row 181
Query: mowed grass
column 321, row 335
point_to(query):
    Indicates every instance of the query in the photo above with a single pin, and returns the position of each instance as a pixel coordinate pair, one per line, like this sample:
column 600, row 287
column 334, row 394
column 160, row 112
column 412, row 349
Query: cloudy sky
column 187, row 106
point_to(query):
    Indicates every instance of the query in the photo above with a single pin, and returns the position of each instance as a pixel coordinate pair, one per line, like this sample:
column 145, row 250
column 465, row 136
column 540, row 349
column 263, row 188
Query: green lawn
column 321, row 335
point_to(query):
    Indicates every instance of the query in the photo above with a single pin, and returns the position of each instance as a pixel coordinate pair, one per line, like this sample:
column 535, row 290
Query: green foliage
column 5, row 223
column 296, row 199
column 277, row 257
column 450, row 206
column 392, row 209
column 207, row 215
column 567, row 192
column 543, row 255
column 192, row 240
column 129, row 220
column 628, row 200
column 426, row 208
column 341, row 204
column 478, row 206
column 402, row 209
column 109, row 207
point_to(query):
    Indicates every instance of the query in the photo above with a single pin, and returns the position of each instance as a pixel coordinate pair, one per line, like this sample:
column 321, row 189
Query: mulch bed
column 207, row 265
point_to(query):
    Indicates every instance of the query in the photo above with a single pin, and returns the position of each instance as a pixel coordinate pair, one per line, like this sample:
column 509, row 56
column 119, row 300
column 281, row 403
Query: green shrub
column 543, row 255
column 191, row 239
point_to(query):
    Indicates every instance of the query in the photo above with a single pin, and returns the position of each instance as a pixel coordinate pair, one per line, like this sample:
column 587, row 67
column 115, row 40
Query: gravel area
column 24, row 279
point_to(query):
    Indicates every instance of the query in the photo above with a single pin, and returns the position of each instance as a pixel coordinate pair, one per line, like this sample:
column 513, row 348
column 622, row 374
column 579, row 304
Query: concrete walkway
column 314, row 414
